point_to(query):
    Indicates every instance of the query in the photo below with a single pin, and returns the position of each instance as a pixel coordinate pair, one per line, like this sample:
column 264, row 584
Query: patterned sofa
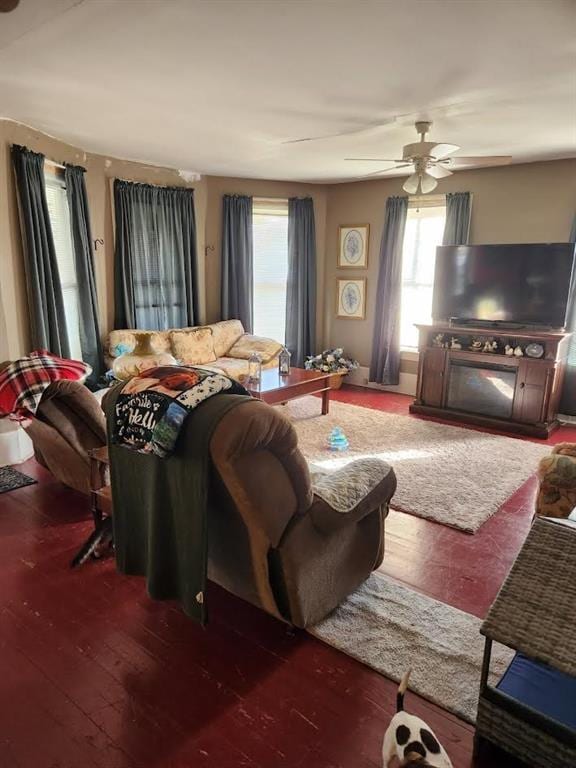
column 222, row 346
column 557, row 475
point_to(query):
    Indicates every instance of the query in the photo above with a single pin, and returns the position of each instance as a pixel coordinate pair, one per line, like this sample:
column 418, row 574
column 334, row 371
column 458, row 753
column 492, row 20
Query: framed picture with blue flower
column 351, row 298
column 353, row 246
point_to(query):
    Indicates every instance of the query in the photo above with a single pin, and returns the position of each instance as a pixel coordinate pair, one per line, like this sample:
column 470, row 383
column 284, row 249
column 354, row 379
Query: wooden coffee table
column 274, row 388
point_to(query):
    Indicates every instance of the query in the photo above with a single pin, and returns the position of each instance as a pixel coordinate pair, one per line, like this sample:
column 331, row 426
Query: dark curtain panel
column 301, row 284
column 385, row 362
column 457, row 227
column 237, row 292
column 84, row 262
column 46, row 305
column 155, row 256
column 568, row 401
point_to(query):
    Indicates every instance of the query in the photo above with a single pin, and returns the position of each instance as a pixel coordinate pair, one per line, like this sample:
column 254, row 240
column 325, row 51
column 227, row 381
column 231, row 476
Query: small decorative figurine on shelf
column 476, row 345
column 455, row 343
column 490, row 346
column 508, row 350
column 438, row 340
column 535, row 350
column 337, row 440
column 284, row 362
column 518, row 351
column 254, row 368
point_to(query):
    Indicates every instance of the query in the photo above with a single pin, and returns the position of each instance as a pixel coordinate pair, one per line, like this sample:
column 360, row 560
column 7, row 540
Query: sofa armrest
column 347, row 495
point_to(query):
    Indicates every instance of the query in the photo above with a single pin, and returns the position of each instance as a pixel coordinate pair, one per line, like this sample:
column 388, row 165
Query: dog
column 410, row 740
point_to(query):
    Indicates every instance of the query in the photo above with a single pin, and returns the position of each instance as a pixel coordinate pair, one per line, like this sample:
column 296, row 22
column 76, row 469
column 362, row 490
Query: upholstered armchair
column 557, row 475
column 69, row 423
column 293, row 545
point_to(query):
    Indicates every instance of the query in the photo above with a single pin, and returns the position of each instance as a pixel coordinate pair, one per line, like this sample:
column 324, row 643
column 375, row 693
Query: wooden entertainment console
column 515, row 393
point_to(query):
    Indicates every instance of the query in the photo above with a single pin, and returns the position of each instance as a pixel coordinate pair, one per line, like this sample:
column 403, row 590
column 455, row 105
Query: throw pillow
column 225, row 334
column 121, row 342
column 193, row 347
column 248, row 344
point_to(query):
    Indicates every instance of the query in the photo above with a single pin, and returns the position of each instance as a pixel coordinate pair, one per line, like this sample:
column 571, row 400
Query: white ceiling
column 217, row 86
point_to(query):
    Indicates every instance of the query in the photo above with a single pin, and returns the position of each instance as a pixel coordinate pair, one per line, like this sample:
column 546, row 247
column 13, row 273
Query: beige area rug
column 455, row 476
column 392, row 628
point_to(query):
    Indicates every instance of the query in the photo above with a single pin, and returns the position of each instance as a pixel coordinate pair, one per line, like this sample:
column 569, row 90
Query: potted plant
column 332, row 361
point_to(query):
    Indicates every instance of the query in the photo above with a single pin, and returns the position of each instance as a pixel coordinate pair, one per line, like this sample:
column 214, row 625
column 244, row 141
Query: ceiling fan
column 430, row 161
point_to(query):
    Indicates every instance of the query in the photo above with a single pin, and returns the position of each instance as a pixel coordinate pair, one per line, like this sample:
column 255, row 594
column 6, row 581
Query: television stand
column 459, row 379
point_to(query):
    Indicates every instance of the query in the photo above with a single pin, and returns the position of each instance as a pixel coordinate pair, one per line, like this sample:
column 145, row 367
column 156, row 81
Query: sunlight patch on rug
column 452, row 475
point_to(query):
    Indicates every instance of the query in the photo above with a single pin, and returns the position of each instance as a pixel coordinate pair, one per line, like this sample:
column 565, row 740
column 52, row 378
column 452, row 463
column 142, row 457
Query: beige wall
column 100, row 170
column 219, row 186
column 515, row 204
column 520, row 203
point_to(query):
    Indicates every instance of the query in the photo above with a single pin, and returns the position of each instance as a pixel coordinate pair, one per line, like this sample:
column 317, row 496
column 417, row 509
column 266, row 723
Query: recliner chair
column 294, row 547
column 69, row 422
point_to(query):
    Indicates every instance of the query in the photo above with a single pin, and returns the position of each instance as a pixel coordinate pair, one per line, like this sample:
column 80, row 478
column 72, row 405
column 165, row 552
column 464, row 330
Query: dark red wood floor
column 94, row 674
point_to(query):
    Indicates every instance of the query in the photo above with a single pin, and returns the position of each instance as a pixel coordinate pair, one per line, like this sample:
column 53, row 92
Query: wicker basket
column 336, row 380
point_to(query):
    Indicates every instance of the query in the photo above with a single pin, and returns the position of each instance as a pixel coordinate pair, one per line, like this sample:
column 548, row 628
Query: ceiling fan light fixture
column 427, row 183
column 411, row 184
column 419, row 182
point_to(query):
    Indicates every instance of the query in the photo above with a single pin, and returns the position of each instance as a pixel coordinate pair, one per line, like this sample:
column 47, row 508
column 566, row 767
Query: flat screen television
column 515, row 284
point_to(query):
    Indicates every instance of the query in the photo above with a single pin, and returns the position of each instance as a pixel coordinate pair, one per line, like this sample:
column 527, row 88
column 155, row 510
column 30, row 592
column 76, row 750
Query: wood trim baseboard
column 542, row 431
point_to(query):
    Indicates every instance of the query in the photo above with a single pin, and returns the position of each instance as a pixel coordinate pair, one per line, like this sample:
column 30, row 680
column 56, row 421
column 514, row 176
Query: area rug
column 392, row 628
column 455, row 476
column 10, row 479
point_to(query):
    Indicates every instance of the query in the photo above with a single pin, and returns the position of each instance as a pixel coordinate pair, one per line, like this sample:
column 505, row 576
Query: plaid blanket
column 22, row 383
column 151, row 407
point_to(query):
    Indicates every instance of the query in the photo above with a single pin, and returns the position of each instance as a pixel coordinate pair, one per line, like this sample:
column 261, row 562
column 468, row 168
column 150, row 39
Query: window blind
column 423, row 234
column 270, row 243
column 61, row 233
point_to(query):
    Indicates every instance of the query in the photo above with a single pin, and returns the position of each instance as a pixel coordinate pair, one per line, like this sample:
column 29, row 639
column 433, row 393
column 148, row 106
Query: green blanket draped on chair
column 160, row 507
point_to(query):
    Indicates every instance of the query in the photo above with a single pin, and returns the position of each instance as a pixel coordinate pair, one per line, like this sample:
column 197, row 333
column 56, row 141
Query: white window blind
column 60, row 221
column 423, row 234
column 270, row 240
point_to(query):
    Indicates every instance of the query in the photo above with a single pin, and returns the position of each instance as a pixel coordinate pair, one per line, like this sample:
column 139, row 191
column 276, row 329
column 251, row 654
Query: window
column 158, row 280
column 424, row 230
column 270, row 239
column 61, row 232
column 156, row 248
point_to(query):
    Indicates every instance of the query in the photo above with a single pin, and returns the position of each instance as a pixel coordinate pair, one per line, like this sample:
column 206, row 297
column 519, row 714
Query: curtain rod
column 54, row 163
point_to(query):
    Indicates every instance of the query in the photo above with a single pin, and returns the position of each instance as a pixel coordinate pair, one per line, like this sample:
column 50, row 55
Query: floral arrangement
column 331, row 361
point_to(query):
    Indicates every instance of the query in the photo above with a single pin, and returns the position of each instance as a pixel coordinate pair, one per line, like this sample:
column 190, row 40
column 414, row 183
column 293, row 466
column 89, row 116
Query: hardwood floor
column 94, row 674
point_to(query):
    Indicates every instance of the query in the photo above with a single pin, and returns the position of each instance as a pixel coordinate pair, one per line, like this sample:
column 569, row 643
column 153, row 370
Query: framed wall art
column 351, row 298
column 353, row 246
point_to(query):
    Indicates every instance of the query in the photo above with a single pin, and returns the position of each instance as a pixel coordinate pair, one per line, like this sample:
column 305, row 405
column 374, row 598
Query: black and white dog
column 410, row 740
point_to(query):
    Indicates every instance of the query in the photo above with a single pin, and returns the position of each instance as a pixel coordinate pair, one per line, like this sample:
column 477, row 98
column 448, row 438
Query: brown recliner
column 276, row 542
column 68, row 423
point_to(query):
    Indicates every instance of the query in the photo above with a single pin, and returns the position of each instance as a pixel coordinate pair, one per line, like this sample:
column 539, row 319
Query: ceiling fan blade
column 370, row 126
column 374, row 159
column 385, row 170
column 439, row 151
column 470, row 162
column 374, row 173
column 438, row 171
